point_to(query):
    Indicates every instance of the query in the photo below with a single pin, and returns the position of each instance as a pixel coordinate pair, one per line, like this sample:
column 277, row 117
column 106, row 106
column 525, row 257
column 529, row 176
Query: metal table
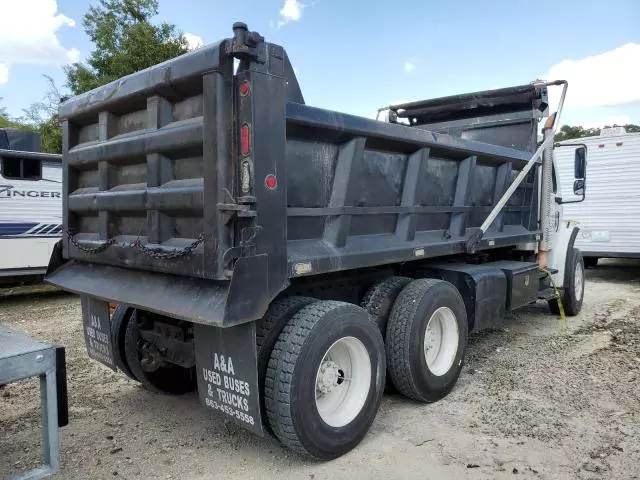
column 22, row 357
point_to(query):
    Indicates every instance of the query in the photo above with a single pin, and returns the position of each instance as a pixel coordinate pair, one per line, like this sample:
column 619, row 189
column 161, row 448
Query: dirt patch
column 534, row 400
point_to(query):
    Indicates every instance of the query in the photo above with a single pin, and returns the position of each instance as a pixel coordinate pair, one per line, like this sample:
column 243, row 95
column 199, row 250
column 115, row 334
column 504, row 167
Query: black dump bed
column 199, row 193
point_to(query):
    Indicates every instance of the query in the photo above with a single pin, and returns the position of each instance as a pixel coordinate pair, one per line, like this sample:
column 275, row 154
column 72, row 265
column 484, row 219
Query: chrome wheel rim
column 578, row 281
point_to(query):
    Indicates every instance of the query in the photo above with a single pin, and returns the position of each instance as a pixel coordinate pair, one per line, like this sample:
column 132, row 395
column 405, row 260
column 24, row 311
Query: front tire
column 325, row 379
column 426, row 339
column 573, row 290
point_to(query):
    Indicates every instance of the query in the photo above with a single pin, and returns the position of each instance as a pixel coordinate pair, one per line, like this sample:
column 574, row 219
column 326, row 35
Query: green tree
column 7, row 122
column 567, row 132
column 126, row 41
column 43, row 117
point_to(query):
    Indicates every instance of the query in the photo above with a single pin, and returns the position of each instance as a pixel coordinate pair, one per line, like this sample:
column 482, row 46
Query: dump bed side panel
column 146, row 158
column 364, row 193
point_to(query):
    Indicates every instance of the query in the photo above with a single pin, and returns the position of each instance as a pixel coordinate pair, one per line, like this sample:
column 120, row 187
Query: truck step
column 546, row 294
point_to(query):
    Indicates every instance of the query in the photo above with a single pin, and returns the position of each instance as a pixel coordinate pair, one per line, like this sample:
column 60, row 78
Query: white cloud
column 607, row 79
column 4, row 73
column 409, row 67
column 193, row 41
column 29, row 35
column 291, row 11
column 609, row 120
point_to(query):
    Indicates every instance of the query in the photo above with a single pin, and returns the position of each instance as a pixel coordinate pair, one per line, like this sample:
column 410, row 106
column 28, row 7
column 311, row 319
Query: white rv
column 610, row 214
column 30, row 207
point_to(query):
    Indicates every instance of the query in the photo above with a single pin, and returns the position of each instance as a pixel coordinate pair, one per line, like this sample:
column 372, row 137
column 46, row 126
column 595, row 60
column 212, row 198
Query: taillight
column 245, row 140
column 271, row 181
column 244, row 89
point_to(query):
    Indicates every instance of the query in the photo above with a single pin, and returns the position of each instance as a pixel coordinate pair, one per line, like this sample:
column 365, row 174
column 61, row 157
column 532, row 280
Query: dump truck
column 290, row 262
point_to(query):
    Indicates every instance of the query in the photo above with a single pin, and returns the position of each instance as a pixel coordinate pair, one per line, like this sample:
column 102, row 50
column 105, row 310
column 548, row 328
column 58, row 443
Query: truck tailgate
column 138, row 167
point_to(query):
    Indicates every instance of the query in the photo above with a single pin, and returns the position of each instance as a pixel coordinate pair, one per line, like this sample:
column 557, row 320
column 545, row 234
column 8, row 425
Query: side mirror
column 580, row 164
column 578, row 187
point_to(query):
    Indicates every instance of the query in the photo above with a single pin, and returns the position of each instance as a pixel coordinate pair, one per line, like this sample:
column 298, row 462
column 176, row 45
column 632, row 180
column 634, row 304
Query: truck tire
column 590, row 262
column 380, row 297
column 267, row 330
column 325, row 379
column 573, row 290
column 169, row 379
column 378, row 302
column 119, row 321
column 426, row 339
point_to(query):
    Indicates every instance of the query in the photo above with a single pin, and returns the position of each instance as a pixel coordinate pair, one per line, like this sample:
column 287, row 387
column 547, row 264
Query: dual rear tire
column 426, row 339
column 326, row 372
column 325, row 379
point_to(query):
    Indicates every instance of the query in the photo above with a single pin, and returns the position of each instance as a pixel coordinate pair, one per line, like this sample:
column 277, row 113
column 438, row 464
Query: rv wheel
column 325, row 379
column 426, row 339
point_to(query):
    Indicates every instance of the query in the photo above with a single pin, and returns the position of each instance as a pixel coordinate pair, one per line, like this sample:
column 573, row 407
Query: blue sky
column 357, row 56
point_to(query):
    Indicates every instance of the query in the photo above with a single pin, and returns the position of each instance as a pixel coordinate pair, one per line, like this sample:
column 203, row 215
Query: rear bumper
column 207, row 302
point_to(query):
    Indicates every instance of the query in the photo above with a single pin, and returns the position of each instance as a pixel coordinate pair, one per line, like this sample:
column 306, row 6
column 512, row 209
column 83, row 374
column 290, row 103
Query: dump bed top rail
column 400, row 137
column 172, row 79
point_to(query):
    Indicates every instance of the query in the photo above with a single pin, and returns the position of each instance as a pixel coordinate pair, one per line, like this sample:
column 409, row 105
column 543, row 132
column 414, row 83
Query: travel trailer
column 610, row 215
column 30, row 206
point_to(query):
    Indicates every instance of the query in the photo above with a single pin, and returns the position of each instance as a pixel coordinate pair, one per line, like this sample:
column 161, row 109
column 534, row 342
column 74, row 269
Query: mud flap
column 226, row 365
column 97, row 330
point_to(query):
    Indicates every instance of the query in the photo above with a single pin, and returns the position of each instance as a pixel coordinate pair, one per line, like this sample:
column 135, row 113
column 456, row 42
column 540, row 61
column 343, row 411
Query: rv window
column 21, row 169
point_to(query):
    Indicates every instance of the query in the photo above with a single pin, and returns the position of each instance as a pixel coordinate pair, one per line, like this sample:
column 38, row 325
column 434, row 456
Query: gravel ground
column 534, row 401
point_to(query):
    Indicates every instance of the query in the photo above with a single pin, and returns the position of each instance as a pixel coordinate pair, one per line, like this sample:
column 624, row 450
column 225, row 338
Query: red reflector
column 244, row 89
column 618, row 144
column 245, row 140
column 601, row 145
column 271, row 181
